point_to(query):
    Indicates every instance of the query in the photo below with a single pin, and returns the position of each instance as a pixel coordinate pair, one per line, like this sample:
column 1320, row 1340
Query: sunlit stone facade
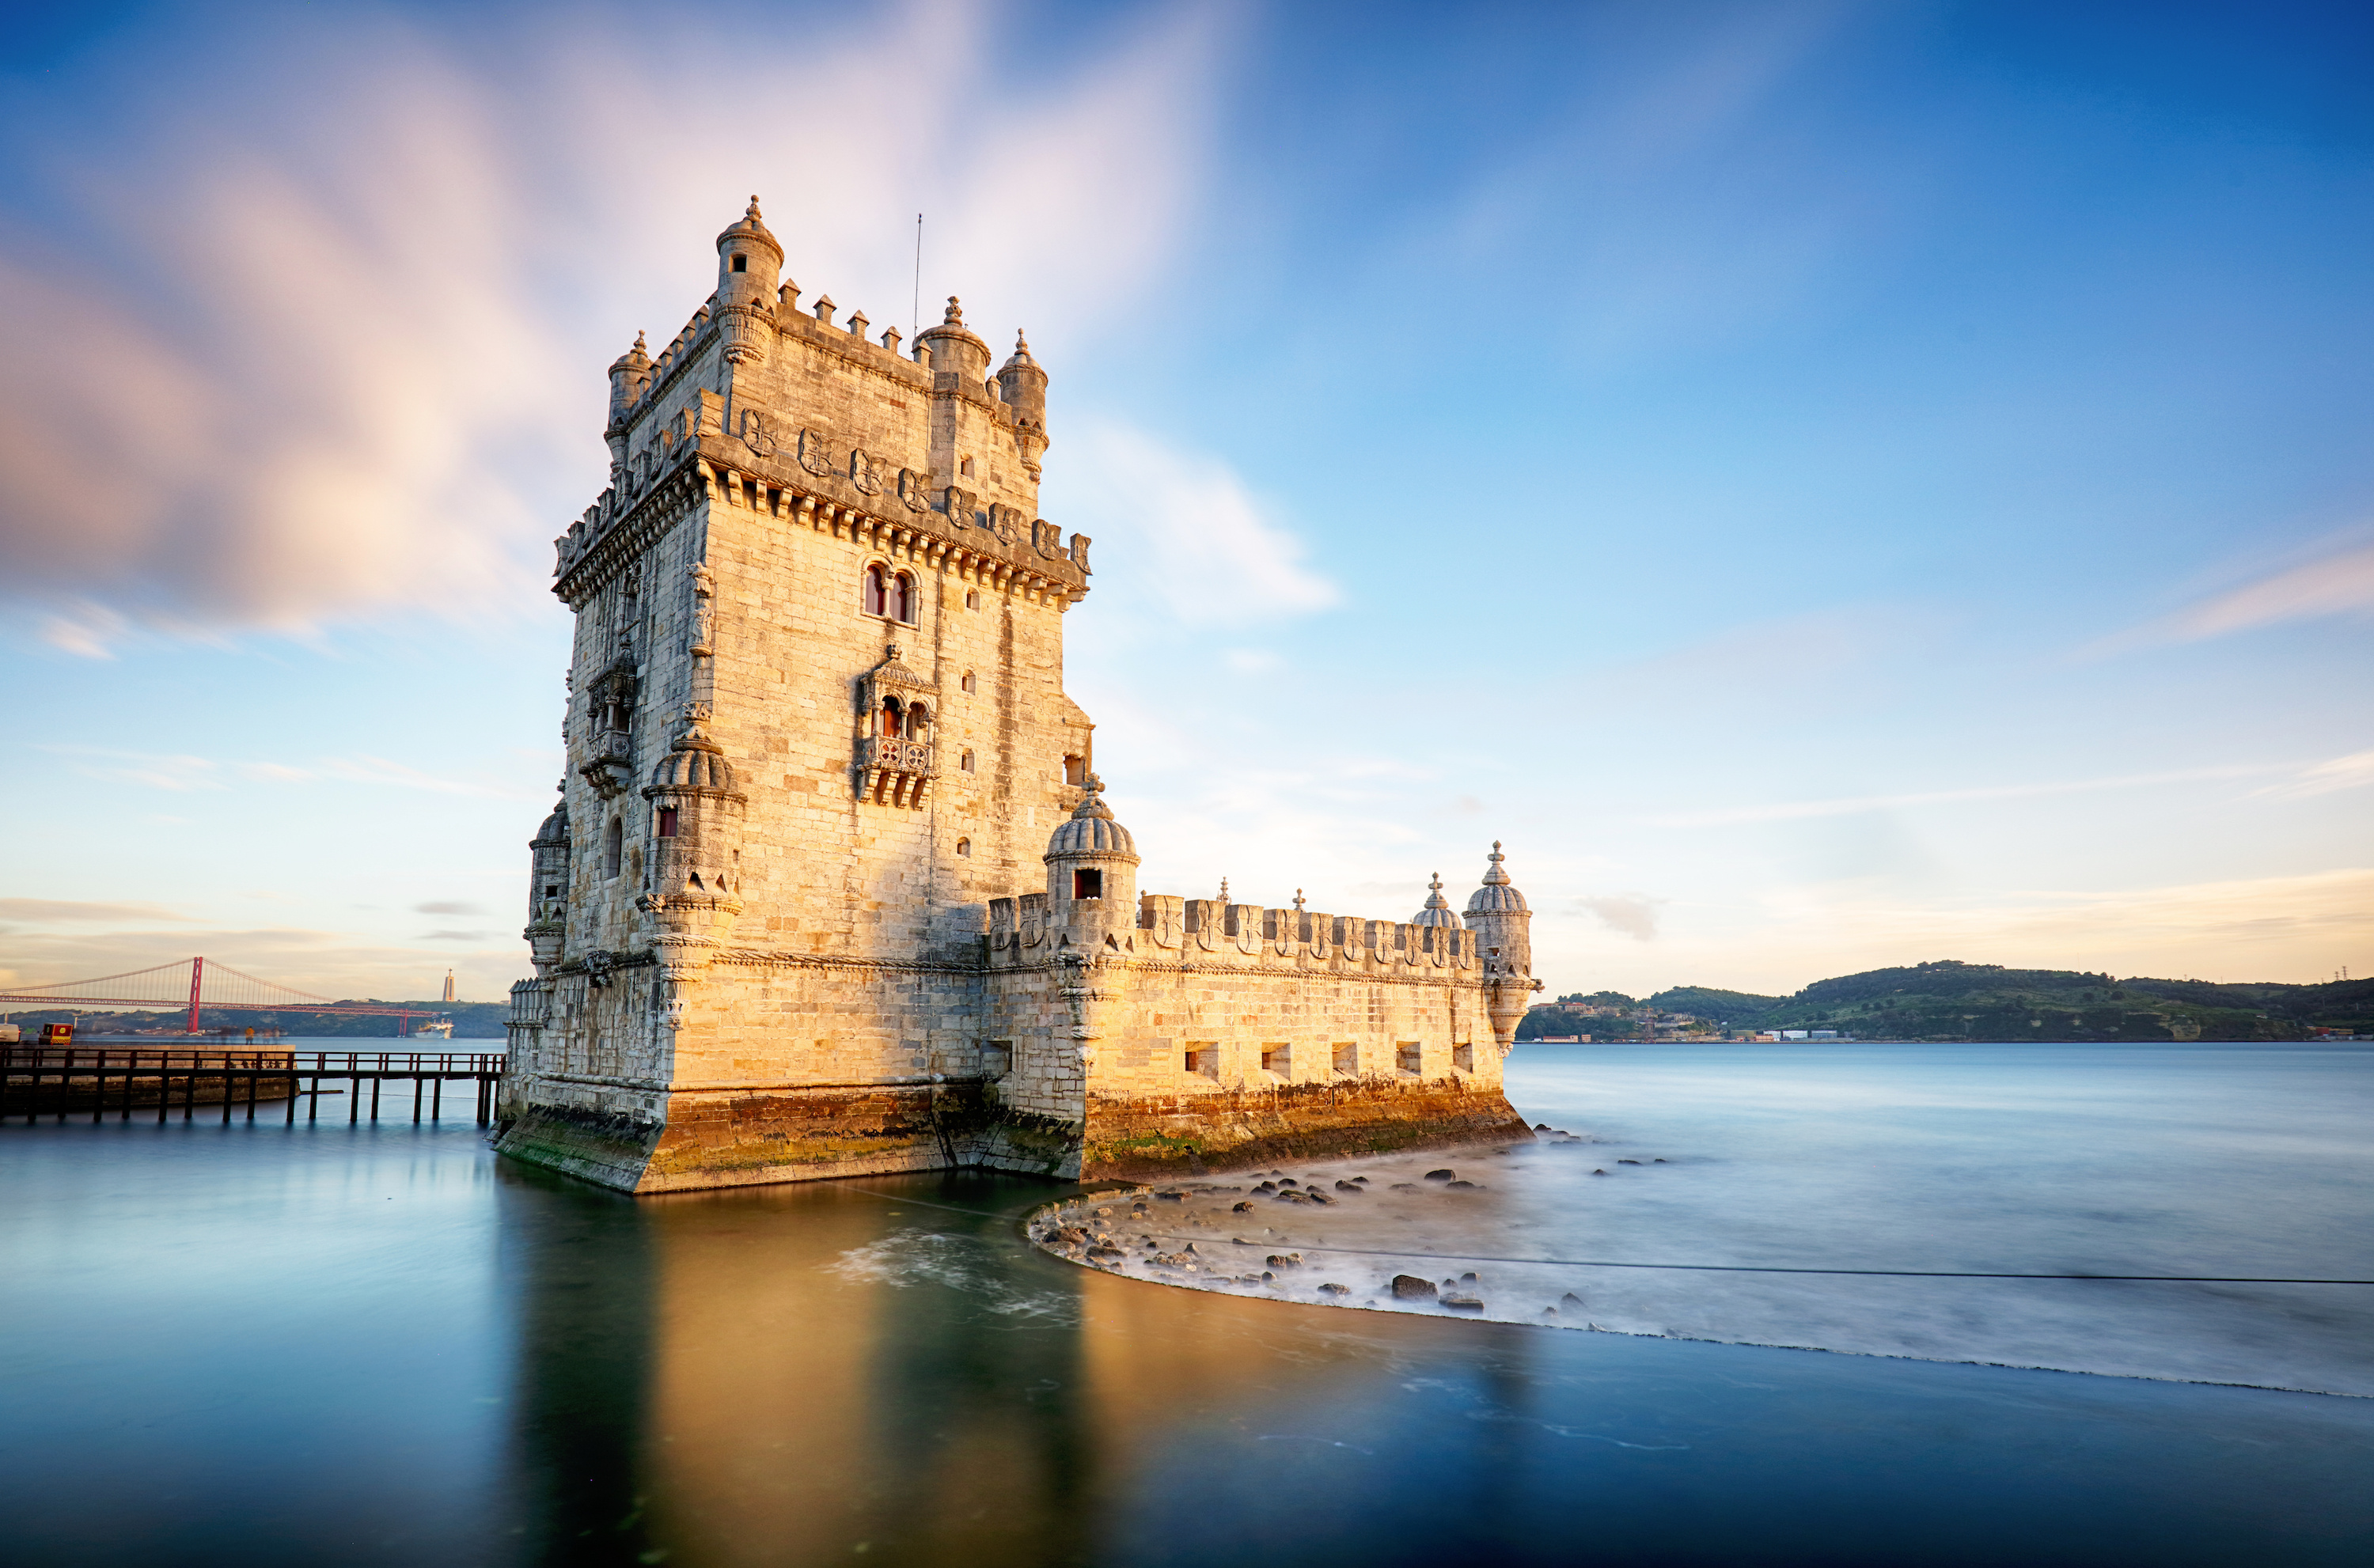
column 831, row 888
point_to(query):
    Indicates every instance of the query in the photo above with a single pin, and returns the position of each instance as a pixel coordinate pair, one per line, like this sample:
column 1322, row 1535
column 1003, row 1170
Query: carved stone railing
column 894, row 771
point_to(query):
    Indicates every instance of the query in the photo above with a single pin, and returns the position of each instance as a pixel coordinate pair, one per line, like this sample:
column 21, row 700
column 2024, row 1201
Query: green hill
column 1952, row 1001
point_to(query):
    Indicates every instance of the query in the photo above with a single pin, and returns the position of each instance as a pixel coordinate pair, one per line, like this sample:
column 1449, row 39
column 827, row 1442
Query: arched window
column 891, row 712
column 967, row 682
column 918, row 722
column 613, row 847
column 873, row 597
column 902, row 597
column 964, row 848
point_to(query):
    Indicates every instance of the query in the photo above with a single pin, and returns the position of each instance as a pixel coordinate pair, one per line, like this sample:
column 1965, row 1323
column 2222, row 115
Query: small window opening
column 1463, row 1057
column 1088, row 884
column 874, row 595
column 966, row 762
column 1348, row 1058
column 964, row 848
column 1204, row 1057
column 972, row 599
column 667, row 822
column 892, row 718
column 1279, row 1059
column 741, row 263
column 1408, row 1056
column 552, row 890
column 1076, row 770
column 965, row 468
column 967, row 682
column 614, row 844
column 997, row 1058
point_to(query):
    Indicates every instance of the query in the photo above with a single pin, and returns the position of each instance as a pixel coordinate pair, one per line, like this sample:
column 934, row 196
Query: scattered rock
column 1571, row 1301
column 1285, row 1261
column 1243, row 1208
column 1468, row 1184
column 1072, row 1235
column 1628, row 1162
column 1106, row 1253
column 1469, row 1278
column 1242, row 1242
column 1409, row 1287
column 1463, row 1302
column 1541, row 1127
column 1346, row 1186
column 1361, row 1178
column 1266, row 1187
column 1289, row 1182
column 1659, row 1161
column 1441, row 1176
column 1404, row 1186
column 1600, row 1173
column 1336, row 1290
column 1315, row 1195
column 1181, row 1197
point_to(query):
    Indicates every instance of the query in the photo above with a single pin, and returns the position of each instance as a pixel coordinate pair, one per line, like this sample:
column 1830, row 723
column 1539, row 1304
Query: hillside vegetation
column 1952, row 1001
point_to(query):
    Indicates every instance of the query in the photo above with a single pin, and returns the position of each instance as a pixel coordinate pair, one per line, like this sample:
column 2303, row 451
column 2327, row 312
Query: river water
column 379, row 1344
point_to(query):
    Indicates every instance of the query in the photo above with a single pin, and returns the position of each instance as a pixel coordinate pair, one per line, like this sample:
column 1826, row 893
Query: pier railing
column 37, row 1080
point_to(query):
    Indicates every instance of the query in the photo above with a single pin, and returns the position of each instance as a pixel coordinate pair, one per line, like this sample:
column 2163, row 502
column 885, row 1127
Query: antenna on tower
column 916, row 306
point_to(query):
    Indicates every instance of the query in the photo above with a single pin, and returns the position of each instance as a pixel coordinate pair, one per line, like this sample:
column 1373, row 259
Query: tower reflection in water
column 885, row 1371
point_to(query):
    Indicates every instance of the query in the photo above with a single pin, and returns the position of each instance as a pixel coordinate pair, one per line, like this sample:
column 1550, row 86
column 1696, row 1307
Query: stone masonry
column 832, row 887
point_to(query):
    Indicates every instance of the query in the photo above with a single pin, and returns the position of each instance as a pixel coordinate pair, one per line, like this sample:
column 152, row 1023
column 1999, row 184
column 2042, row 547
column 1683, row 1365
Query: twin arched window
column 913, row 720
column 888, row 593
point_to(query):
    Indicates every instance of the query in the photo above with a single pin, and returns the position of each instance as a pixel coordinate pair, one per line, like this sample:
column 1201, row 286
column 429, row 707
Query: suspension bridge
column 201, row 985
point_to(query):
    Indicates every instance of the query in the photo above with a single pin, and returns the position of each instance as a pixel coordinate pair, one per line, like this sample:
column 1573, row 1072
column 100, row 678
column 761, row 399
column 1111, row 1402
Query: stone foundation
column 1155, row 1137
column 745, row 1138
column 725, row 1138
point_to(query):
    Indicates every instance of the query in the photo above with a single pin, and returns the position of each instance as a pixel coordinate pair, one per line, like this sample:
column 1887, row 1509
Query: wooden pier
column 37, row 1080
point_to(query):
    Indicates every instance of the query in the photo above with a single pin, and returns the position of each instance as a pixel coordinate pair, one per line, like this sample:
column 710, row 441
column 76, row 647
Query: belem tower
column 833, row 888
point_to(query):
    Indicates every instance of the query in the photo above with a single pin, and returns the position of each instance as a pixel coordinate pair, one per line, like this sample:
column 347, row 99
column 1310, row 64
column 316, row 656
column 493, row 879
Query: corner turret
column 630, row 374
column 694, row 893
column 749, row 263
column 1498, row 915
column 1022, row 386
column 548, row 891
column 1092, row 874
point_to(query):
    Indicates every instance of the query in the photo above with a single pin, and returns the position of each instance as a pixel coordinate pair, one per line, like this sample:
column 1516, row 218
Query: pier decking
column 37, row 1080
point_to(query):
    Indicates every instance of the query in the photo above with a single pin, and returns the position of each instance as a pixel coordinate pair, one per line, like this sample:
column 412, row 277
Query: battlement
column 1031, row 929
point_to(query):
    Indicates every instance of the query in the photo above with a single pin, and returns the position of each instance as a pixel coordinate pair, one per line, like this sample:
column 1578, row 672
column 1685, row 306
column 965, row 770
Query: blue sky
column 1828, row 486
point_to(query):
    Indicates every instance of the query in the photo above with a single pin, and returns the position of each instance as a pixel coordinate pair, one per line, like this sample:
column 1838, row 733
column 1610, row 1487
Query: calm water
column 379, row 1345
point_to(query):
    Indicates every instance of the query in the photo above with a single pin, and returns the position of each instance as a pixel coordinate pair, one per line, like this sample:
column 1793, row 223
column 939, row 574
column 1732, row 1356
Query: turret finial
column 1496, row 876
column 1224, row 890
column 1093, row 785
column 955, row 318
column 1297, row 898
column 639, row 342
column 753, row 210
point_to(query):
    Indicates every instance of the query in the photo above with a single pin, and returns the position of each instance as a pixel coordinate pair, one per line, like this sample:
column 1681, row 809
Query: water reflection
column 383, row 1347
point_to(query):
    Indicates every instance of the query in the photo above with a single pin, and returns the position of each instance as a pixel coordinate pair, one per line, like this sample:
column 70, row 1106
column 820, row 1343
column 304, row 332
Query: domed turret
column 1022, row 385
column 547, row 890
column 1499, row 895
column 1498, row 915
column 749, row 263
column 1438, row 911
column 1092, row 871
column 697, row 767
column 692, row 886
column 955, row 350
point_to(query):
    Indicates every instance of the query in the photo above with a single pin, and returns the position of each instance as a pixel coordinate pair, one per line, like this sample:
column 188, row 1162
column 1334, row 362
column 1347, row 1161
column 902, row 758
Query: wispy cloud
column 1632, row 915
column 1848, row 805
column 2354, row 771
column 448, row 906
column 2339, row 584
column 53, row 910
column 371, row 376
column 1182, row 531
column 182, row 772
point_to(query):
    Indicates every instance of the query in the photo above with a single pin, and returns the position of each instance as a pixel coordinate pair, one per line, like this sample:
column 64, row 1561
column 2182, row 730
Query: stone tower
column 1497, row 914
column 833, row 887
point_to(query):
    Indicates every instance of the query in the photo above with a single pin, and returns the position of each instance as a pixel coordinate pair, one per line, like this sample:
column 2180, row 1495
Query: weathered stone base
column 725, row 1137
column 1150, row 1139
